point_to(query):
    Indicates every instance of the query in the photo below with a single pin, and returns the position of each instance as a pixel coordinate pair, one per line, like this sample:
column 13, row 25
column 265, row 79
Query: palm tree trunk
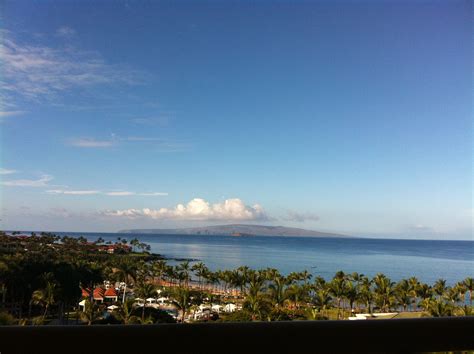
column 45, row 311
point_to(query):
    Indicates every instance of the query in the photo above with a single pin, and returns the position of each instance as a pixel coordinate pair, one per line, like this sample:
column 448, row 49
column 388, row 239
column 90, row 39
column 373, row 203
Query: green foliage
column 6, row 319
column 42, row 276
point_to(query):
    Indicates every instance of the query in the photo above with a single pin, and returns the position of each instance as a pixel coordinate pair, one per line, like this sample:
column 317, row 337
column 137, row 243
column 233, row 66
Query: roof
column 86, row 292
column 110, row 292
column 98, row 293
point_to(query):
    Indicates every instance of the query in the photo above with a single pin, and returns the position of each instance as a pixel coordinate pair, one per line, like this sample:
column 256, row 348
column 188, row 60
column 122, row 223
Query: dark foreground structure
column 376, row 336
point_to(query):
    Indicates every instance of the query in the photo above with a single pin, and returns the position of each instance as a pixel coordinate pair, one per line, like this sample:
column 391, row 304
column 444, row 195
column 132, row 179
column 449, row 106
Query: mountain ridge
column 237, row 230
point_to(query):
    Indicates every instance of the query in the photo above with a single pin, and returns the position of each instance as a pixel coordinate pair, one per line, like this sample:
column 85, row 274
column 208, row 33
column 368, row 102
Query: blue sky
column 347, row 116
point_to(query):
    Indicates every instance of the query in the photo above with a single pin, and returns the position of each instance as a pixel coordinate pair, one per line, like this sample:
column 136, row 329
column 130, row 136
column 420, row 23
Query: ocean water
column 425, row 259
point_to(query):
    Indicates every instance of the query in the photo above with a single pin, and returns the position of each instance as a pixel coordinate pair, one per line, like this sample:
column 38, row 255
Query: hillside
column 237, row 230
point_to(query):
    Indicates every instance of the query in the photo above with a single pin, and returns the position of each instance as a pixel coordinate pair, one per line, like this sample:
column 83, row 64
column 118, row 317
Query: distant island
column 236, row 230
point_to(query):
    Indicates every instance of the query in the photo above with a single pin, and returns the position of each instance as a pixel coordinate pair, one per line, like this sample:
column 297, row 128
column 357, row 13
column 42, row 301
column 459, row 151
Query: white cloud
column 79, row 192
column 93, row 192
column 142, row 138
column 301, row 217
column 159, row 144
column 198, row 209
column 41, row 73
column 65, row 32
column 154, row 194
column 91, row 143
column 4, row 171
column 41, row 182
column 120, row 194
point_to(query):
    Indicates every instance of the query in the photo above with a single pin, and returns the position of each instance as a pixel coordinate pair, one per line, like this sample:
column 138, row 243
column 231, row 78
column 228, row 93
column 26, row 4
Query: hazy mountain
column 237, row 230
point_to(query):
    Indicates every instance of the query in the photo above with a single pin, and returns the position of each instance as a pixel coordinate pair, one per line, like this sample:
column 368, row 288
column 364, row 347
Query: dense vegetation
column 41, row 279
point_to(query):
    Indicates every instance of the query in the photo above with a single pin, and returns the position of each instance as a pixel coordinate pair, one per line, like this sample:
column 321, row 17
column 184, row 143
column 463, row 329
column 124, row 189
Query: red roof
column 86, row 292
column 110, row 292
column 98, row 293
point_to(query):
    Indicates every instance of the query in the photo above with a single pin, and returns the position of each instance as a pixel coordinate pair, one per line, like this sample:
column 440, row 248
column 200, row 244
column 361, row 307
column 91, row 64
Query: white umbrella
column 162, row 299
column 139, row 299
column 230, row 307
column 150, row 300
column 83, row 305
column 112, row 307
column 204, row 306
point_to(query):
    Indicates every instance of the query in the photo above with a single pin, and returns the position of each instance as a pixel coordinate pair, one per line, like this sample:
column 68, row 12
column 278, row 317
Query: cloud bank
column 198, row 209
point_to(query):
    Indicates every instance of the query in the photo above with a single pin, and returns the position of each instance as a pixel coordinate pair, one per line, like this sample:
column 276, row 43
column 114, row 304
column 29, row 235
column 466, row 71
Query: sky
column 341, row 116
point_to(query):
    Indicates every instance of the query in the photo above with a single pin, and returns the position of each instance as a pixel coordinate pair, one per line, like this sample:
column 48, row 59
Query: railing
column 377, row 336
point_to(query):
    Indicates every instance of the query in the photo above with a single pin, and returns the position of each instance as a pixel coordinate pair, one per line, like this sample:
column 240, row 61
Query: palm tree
column 404, row 294
column 244, row 278
column 126, row 271
column 296, row 293
column 158, row 269
column 91, row 312
column 255, row 302
column 337, row 288
column 452, row 295
column 125, row 312
column 319, row 283
column 200, row 270
column 384, row 293
column 464, row 310
column 425, row 293
column 439, row 287
column 439, row 308
column 145, row 290
column 469, row 285
column 183, row 270
column 366, row 296
column 322, row 300
column 278, row 291
column 45, row 296
column 182, row 300
column 351, row 294
column 305, row 276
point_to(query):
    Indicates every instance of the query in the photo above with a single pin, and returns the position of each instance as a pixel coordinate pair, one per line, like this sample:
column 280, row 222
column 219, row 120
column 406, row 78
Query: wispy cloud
column 159, row 144
column 161, row 120
column 72, row 192
column 11, row 113
column 65, row 32
column 4, row 171
column 120, row 194
column 91, row 143
column 300, row 217
column 107, row 193
column 41, row 182
column 198, row 209
column 40, row 73
column 6, row 115
column 151, row 194
column 143, row 139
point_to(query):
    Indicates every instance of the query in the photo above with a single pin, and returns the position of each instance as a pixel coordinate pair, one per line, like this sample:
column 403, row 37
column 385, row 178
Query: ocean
column 428, row 260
